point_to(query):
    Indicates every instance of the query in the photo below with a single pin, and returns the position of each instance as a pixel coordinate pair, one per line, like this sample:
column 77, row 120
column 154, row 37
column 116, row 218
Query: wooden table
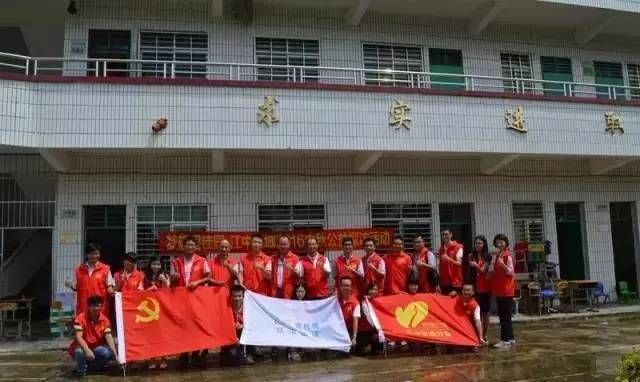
column 586, row 286
column 8, row 310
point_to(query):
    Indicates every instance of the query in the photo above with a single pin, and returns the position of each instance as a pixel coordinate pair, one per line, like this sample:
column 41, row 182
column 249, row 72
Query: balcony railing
column 89, row 67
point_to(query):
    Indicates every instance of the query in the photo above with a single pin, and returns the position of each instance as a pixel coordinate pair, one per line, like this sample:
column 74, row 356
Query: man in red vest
column 286, row 270
column 254, row 268
column 424, row 262
column 467, row 305
column 93, row 346
column 130, row 278
column 398, row 265
column 316, row 271
column 374, row 267
column 223, row 268
column 348, row 265
column 450, row 254
column 350, row 307
column 93, row 278
column 190, row 270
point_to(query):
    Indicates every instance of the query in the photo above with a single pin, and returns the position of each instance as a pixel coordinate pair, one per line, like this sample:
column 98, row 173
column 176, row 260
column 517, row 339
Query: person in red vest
column 398, row 266
column 130, row 278
column 350, row 308
column 223, row 268
column 450, row 255
column 367, row 333
column 286, row 270
column 232, row 355
column 93, row 278
column 424, row 261
column 254, row 268
column 154, row 277
column 316, row 271
column 348, row 265
column 190, row 270
column 93, row 345
column 502, row 286
column 479, row 262
column 374, row 267
column 468, row 306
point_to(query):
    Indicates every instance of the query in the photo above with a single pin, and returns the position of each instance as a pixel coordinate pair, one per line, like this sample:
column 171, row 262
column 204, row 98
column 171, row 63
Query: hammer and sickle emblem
column 150, row 313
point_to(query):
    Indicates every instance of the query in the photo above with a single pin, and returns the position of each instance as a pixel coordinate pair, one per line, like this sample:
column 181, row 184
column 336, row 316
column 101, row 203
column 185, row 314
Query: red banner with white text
column 424, row 317
column 172, row 321
column 328, row 239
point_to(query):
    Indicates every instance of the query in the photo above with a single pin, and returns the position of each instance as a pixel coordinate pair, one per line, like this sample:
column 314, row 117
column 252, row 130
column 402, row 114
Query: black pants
column 505, row 309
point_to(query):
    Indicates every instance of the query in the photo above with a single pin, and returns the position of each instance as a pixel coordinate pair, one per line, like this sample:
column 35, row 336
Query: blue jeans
column 102, row 356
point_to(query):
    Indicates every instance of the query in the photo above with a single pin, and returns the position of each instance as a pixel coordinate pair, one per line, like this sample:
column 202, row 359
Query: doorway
column 458, row 217
column 622, row 235
column 106, row 226
column 570, row 235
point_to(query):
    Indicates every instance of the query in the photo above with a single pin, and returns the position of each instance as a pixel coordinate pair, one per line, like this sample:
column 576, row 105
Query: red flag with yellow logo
column 422, row 318
column 171, row 321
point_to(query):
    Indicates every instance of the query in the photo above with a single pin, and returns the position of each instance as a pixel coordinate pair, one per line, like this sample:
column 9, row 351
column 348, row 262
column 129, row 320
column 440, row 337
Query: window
column 447, row 61
column 287, row 52
column 556, row 69
column 406, row 219
column 528, row 222
column 109, row 44
column 284, row 217
column 392, row 58
column 608, row 73
column 169, row 46
column 150, row 220
column 634, row 80
column 515, row 65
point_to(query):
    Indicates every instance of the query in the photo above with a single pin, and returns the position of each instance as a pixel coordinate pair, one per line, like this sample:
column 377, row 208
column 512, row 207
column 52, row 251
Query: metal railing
column 86, row 67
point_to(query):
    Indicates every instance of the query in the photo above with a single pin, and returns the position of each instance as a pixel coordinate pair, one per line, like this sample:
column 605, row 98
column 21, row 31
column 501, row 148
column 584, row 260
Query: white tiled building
column 79, row 160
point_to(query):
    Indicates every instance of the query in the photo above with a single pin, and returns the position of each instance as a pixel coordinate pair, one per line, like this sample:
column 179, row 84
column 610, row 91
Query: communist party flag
column 171, row 321
column 424, row 317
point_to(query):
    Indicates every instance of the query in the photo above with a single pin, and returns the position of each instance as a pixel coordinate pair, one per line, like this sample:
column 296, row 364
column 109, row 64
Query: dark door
column 556, row 69
column 105, row 225
column 570, row 241
column 624, row 252
column 109, row 44
column 458, row 217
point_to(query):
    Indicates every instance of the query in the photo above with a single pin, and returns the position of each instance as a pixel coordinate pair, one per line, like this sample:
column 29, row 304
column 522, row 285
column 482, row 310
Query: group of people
column 472, row 279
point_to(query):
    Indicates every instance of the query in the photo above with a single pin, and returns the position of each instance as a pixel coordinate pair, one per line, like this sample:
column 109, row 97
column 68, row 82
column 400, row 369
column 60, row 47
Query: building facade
column 486, row 117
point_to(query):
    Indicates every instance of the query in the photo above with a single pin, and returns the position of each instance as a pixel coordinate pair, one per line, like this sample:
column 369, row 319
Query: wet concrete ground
column 568, row 350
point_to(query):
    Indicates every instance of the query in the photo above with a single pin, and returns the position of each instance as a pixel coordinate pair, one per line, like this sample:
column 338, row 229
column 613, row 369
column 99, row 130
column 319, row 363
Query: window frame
column 393, row 81
column 292, row 224
column 400, row 229
column 510, row 83
column 528, row 221
column 156, row 69
column 290, row 74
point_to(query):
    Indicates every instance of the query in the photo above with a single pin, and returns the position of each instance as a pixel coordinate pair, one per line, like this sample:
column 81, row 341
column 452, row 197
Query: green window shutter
column 556, row 69
column 608, row 73
column 447, row 61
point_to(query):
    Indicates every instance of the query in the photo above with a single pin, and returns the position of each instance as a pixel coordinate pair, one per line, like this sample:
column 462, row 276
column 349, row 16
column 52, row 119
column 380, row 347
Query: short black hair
column 189, row 238
column 257, row 235
column 91, row 247
column 398, row 237
column 345, row 278
column 418, row 235
column 502, row 237
column 130, row 256
column 445, row 230
column 94, row 300
column 347, row 239
column 237, row 288
column 368, row 239
column 371, row 286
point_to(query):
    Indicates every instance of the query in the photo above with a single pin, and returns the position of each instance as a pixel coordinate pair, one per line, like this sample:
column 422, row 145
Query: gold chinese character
column 614, row 124
column 267, row 111
column 515, row 120
column 398, row 116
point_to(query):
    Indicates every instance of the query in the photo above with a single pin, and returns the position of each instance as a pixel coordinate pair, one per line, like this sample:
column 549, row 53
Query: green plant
column 628, row 368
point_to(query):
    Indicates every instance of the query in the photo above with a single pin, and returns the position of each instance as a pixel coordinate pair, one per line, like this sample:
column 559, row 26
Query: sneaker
column 512, row 342
column 502, row 344
column 295, row 356
column 249, row 360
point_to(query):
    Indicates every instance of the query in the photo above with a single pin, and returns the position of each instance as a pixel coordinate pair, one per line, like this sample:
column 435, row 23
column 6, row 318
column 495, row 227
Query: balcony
column 290, row 76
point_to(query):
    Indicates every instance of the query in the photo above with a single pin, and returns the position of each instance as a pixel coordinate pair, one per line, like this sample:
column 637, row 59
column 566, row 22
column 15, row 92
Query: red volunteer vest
column 87, row 286
column 342, row 271
column 450, row 274
column 219, row 271
column 502, row 285
column 398, row 268
column 315, row 279
column 253, row 277
column 423, row 273
column 131, row 282
column 92, row 332
column 482, row 282
column 466, row 307
column 347, row 307
column 370, row 276
column 289, row 277
column 197, row 270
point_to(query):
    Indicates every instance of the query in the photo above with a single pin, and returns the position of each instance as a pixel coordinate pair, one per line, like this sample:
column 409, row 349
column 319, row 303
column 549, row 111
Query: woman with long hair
column 154, row 279
column 478, row 262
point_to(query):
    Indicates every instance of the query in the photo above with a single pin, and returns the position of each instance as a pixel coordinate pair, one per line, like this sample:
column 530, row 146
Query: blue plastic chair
column 598, row 293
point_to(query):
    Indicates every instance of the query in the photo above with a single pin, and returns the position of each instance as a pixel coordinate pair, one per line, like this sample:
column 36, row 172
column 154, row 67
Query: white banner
column 291, row 323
